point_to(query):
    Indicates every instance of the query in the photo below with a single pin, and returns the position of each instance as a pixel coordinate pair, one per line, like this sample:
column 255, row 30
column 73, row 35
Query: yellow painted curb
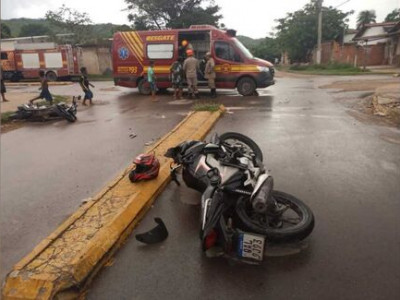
column 65, row 262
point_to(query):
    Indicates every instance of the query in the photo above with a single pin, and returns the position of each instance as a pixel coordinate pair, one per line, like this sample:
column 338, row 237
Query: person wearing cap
column 190, row 67
column 209, row 74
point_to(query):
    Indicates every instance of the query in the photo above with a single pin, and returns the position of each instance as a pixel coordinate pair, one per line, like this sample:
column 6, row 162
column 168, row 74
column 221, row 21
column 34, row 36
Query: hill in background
column 99, row 31
column 249, row 42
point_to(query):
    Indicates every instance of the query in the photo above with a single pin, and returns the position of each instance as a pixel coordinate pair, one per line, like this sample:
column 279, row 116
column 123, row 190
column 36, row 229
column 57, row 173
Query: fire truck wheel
column 51, row 76
column 14, row 78
column 246, row 86
column 144, row 87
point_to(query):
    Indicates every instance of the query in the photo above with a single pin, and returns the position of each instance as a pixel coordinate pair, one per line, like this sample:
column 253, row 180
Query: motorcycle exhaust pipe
column 262, row 193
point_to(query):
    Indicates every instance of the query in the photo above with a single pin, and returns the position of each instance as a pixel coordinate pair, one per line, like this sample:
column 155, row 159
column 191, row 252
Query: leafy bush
column 342, row 67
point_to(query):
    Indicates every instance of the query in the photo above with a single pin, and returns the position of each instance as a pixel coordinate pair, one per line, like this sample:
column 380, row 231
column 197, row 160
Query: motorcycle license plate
column 251, row 246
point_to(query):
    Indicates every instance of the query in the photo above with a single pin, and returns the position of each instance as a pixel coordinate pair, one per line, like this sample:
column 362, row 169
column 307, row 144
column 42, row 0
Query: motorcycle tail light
column 210, row 239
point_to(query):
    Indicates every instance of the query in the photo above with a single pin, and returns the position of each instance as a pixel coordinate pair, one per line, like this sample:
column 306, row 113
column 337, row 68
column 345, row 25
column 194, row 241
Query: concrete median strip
column 64, row 263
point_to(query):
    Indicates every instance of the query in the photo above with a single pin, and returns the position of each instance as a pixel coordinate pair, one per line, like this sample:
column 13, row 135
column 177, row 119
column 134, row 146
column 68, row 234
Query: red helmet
column 147, row 167
column 189, row 52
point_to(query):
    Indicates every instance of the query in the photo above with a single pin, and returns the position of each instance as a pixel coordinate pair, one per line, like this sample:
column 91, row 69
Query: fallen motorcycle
column 34, row 112
column 240, row 210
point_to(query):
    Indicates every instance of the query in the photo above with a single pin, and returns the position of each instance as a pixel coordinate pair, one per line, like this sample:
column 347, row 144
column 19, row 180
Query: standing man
column 151, row 79
column 176, row 71
column 190, row 67
column 84, row 82
column 44, row 87
column 209, row 73
column 3, row 88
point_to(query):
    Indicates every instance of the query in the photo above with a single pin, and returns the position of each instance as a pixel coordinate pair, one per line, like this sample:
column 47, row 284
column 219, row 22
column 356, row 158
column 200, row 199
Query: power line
column 342, row 3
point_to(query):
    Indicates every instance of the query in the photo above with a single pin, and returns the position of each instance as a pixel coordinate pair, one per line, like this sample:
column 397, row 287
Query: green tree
column 70, row 21
column 366, row 17
column 393, row 16
column 34, row 29
column 297, row 32
column 268, row 49
column 160, row 14
column 122, row 28
column 5, row 31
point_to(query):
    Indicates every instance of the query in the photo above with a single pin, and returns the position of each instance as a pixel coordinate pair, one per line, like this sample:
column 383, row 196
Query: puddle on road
column 391, row 139
column 111, row 89
column 127, row 109
column 100, row 102
column 180, row 102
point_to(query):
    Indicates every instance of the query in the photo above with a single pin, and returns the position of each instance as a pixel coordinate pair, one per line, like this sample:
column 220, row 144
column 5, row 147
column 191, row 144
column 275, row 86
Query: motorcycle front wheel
column 69, row 116
column 293, row 221
column 234, row 138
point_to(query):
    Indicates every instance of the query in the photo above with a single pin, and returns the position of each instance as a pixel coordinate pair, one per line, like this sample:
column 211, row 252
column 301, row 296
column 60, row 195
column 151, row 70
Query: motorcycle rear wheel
column 234, row 137
column 288, row 231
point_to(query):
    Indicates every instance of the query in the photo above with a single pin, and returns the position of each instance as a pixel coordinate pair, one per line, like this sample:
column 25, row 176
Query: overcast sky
column 254, row 18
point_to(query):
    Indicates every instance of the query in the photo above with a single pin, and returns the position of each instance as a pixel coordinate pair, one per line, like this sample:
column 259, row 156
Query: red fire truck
column 235, row 66
column 23, row 61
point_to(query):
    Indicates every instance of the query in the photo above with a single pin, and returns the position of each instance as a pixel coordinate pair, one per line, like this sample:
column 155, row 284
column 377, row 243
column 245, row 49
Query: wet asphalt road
column 346, row 170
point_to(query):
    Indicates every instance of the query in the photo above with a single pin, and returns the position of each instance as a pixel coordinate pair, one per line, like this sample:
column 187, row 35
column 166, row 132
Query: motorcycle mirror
column 215, row 139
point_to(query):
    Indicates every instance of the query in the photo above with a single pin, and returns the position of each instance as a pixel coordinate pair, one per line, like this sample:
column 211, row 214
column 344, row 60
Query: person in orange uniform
column 190, row 67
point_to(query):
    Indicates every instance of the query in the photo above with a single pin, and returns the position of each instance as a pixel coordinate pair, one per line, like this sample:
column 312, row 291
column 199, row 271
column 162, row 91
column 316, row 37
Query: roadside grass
column 206, row 106
column 328, row 69
column 96, row 77
column 56, row 99
column 5, row 116
column 325, row 69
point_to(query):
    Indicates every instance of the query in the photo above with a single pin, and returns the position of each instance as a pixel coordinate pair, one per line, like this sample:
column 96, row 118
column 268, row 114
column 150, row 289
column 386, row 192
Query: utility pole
column 319, row 9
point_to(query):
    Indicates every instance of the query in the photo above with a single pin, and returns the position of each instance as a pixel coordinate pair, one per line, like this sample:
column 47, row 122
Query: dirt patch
column 7, row 127
column 358, row 85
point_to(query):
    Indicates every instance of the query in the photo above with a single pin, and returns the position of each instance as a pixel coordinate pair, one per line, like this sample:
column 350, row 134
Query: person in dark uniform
column 3, row 88
column 85, row 85
column 44, row 88
column 177, row 75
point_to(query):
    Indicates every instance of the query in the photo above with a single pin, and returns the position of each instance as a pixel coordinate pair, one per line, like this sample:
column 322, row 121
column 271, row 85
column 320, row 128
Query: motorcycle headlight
column 263, row 69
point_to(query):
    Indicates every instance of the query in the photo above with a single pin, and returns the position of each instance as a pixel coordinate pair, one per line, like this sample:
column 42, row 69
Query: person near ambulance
column 209, row 74
column 190, row 67
column 85, row 85
column 176, row 73
column 185, row 45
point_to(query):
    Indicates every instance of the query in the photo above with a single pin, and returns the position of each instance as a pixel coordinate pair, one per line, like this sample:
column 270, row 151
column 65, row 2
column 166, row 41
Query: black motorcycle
column 34, row 112
column 240, row 210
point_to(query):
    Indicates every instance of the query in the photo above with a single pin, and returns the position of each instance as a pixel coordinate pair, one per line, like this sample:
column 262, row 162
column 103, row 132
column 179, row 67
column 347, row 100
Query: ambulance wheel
column 144, row 87
column 246, row 86
column 51, row 76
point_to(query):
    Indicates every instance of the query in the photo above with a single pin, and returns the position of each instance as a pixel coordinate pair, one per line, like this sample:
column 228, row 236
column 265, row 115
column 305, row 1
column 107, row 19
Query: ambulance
column 235, row 66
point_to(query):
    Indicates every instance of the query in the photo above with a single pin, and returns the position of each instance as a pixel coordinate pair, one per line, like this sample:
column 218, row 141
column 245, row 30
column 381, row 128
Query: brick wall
column 334, row 52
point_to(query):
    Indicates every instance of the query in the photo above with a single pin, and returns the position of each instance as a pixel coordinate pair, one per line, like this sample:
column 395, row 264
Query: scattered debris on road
column 155, row 235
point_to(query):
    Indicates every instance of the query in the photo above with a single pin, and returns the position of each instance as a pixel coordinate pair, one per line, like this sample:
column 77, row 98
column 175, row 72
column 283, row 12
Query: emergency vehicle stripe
column 159, row 69
column 135, row 46
column 129, row 44
column 139, row 41
column 236, row 68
